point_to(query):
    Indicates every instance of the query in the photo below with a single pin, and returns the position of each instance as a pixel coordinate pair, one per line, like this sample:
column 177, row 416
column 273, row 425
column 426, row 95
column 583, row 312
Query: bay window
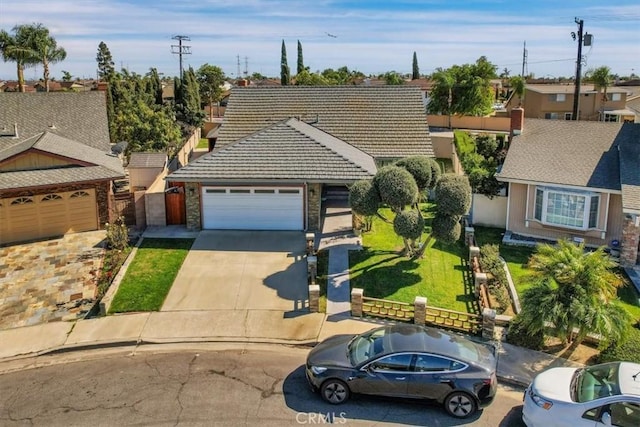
column 566, row 208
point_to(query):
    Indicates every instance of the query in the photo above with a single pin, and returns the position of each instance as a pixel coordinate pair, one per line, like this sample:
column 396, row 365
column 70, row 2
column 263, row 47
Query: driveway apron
column 242, row 270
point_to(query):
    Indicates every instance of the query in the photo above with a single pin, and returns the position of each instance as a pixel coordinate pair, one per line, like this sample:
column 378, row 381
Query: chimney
column 517, row 121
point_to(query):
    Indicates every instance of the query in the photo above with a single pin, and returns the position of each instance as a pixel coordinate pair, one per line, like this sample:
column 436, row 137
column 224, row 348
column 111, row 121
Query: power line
column 180, row 49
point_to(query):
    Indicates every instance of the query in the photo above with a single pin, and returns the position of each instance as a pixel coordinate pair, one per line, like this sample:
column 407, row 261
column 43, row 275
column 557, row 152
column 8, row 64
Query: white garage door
column 248, row 208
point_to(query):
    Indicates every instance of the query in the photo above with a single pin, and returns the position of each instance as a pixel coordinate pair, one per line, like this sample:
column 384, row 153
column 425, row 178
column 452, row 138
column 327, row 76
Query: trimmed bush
column 396, row 187
column 420, row 168
column 436, row 172
column 363, row 198
column 446, row 228
column 628, row 350
column 453, row 195
column 409, row 224
column 517, row 335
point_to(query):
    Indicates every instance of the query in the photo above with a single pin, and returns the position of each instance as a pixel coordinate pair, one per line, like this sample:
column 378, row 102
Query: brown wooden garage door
column 47, row 215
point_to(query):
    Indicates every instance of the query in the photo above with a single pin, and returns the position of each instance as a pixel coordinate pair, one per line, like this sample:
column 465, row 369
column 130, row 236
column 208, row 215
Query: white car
column 599, row 395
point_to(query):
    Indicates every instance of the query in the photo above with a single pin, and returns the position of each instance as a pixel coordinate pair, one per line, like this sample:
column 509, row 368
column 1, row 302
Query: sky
column 369, row 36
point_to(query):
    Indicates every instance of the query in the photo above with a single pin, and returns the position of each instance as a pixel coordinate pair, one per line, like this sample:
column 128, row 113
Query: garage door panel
column 252, row 209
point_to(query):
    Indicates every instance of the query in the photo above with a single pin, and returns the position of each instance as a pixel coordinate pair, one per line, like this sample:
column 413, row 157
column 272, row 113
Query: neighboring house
column 555, row 102
column 144, row 169
column 279, row 148
column 578, row 180
column 56, row 166
column 633, row 104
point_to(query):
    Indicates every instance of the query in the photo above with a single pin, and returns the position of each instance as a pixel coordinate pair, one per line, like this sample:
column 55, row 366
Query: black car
column 406, row 361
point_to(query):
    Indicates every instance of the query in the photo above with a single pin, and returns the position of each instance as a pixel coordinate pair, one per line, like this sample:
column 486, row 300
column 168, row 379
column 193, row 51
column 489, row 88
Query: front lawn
column 517, row 257
column 383, row 272
column 203, row 143
column 150, row 275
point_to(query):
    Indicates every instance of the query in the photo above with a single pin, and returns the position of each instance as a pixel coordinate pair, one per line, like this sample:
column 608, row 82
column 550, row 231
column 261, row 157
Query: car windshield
column 595, row 382
column 364, row 347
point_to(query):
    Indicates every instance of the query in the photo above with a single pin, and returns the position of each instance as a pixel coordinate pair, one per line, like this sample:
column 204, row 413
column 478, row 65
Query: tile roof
column 570, row 88
column 629, row 142
column 147, row 160
column 575, row 153
column 290, row 150
column 385, row 122
column 44, row 177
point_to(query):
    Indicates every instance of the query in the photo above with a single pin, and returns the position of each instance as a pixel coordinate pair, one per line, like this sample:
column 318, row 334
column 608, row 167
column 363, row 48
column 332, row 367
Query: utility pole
column 246, row 67
column 576, row 94
column 180, row 49
column 524, row 58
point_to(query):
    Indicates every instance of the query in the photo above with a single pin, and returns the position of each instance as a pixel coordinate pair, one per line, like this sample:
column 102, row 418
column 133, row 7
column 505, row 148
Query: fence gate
column 175, row 206
column 123, row 204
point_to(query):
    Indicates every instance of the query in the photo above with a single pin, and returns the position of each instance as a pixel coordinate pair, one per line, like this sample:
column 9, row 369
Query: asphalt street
column 220, row 385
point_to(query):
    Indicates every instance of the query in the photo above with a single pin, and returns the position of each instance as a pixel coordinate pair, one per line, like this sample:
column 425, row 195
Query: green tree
column 66, row 76
column 258, row 76
column 300, row 59
column 573, row 290
column 341, row 76
column 396, row 187
column 463, row 89
column 187, row 99
column 392, row 78
column 45, row 49
column 305, row 78
column 602, row 79
column 285, row 74
column 409, row 224
column 154, row 86
column 420, row 168
column 415, row 74
column 364, row 200
column 105, row 62
column 518, row 85
column 18, row 48
column 210, row 78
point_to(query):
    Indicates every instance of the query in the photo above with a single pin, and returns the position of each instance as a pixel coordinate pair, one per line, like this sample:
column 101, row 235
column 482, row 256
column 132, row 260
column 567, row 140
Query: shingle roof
column 71, row 125
column 80, row 116
column 385, row 122
column 147, row 160
column 575, row 153
column 629, row 142
column 289, row 150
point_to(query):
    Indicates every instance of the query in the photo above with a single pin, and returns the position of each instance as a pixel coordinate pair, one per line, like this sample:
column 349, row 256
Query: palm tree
column 18, row 49
column 601, row 78
column 573, row 290
column 45, row 48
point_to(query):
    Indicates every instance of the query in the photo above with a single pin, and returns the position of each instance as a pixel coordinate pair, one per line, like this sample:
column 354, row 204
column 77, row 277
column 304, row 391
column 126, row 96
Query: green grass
column 517, row 257
column 150, row 275
column 322, row 278
column 383, row 272
column 203, row 143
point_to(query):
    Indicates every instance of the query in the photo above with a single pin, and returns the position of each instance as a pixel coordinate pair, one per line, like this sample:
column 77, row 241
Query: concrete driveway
column 242, row 270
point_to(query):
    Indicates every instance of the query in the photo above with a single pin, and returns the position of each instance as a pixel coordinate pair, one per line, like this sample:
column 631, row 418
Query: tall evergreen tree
column 285, row 74
column 416, row 70
column 154, row 86
column 105, row 62
column 300, row 60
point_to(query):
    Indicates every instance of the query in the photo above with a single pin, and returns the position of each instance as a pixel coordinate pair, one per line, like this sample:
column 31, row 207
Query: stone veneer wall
column 192, row 201
column 630, row 240
column 314, row 200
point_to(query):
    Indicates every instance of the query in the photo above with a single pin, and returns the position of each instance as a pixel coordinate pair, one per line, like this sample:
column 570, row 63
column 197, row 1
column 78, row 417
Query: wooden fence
column 122, row 204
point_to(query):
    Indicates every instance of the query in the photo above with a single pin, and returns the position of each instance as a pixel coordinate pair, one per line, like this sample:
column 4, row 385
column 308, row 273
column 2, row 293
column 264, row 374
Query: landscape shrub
column 117, row 234
column 491, row 263
column 628, row 350
column 409, row 224
column 396, row 187
column 420, row 168
column 517, row 335
column 453, row 195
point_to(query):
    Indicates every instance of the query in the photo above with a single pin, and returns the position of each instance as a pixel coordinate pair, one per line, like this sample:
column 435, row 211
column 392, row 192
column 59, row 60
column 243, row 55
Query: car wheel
column 460, row 405
column 335, row 391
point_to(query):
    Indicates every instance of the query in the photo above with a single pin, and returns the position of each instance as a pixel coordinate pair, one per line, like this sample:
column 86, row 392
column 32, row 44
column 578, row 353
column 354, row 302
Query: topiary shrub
column 420, row 168
column 396, row 187
column 363, row 198
column 628, row 350
column 436, row 172
column 409, row 224
column 517, row 335
column 446, row 228
column 453, row 195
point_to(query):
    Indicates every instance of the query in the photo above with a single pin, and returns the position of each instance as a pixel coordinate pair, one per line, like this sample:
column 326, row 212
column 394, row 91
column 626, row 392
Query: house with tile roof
column 578, row 180
column 56, row 165
column 279, row 149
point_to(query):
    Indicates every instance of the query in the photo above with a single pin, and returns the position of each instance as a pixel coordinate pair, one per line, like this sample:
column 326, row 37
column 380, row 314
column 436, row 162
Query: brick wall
column 630, row 239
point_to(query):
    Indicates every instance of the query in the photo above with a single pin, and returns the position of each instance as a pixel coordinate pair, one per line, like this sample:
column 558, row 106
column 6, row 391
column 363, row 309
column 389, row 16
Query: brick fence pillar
column 314, row 298
column 479, row 279
column 488, row 323
column 474, row 252
column 630, row 236
column 357, row 295
column 469, row 236
column 420, row 310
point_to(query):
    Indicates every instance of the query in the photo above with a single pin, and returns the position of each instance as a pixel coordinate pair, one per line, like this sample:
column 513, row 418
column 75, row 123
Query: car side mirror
column 605, row 418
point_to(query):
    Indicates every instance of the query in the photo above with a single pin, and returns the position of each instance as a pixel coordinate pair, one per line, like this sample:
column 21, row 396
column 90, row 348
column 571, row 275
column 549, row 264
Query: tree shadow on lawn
column 383, row 281
column 360, row 256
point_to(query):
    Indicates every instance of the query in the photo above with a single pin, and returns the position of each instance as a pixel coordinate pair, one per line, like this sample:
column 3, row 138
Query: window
column 50, row 197
column 611, row 118
column 625, row 414
column 259, row 191
column 78, row 194
column 289, row 191
column 216, row 190
column 239, row 191
column 551, row 116
column 557, row 97
column 22, row 201
column 428, row 363
column 566, row 208
column 568, row 116
column 395, row 363
column 616, row 96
